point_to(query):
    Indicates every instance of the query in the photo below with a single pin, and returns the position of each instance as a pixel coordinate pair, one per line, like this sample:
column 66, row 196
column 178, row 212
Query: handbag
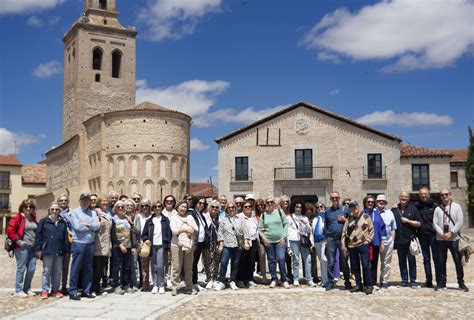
column 304, row 239
column 9, row 246
column 145, row 250
column 415, row 246
column 240, row 239
column 184, row 241
column 464, row 245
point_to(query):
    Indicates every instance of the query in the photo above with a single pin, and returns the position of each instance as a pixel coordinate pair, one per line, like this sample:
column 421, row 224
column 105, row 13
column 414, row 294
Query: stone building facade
column 108, row 142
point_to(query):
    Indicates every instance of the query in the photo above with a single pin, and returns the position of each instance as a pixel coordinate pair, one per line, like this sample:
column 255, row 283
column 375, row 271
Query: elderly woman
column 285, row 207
column 22, row 231
column 183, row 227
column 273, row 228
column 247, row 260
column 202, row 235
column 124, row 246
column 319, row 242
column 157, row 234
column 212, row 256
column 50, row 246
column 233, row 237
column 103, row 245
column 299, row 232
column 141, row 217
column 131, row 213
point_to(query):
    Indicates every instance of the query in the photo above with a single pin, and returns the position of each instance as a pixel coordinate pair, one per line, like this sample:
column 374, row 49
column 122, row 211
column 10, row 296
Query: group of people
column 120, row 244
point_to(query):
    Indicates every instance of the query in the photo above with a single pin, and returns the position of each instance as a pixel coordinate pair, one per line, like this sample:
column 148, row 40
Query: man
column 427, row 235
column 390, row 225
column 408, row 220
column 334, row 220
column 223, row 203
column 357, row 234
column 65, row 214
column 84, row 224
column 448, row 220
column 238, row 203
column 113, row 197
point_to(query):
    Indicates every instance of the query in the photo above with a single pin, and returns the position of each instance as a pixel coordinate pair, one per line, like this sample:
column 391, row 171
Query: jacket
column 51, row 237
column 16, row 227
column 103, row 241
column 149, row 230
column 439, row 219
column 426, row 210
column 117, row 235
column 195, row 214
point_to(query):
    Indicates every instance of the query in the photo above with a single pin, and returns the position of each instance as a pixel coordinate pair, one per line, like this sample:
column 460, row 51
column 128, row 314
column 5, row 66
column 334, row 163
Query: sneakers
column 58, row 294
column 44, row 294
column 414, row 286
column 161, row 290
column 154, row 290
column 168, row 283
column 286, row 285
column 197, row 287
column 311, row 283
column 31, row 293
column 369, row 290
column 273, row 284
column 210, row 285
column 356, row 289
column 233, row 286
column 119, row 291
column 20, row 294
column 252, row 284
column 219, row 286
column 174, row 291
column 463, row 287
column 296, row 283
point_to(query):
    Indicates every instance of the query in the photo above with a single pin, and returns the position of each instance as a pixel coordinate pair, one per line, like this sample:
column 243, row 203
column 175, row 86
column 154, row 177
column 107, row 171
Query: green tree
column 470, row 177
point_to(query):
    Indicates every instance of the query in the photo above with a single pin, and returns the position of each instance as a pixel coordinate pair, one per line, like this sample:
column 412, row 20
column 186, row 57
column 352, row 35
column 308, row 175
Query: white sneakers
column 161, row 290
column 311, row 284
column 219, row 286
column 20, row 294
column 168, row 283
column 31, row 293
column 252, row 284
column 286, row 285
column 233, row 286
column 154, row 290
column 296, row 283
column 210, row 285
column 273, row 284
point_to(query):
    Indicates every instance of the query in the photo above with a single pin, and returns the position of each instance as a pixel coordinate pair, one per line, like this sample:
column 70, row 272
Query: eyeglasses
column 169, row 201
column 29, row 207
column 444, row 194
column 260, row 205
column 189, row 199
column 319, row 207
column 215, row 207
column 53, row 209
column 63, row 200
column 121, row 207
column 270, row 202
column 238, row 203
column 246, row 207
column 370, row 202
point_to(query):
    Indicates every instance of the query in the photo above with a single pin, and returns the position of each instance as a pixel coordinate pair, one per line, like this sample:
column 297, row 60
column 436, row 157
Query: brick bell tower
column 99, row 66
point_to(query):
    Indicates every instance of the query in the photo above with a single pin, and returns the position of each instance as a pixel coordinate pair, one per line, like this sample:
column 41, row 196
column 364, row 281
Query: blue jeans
column 332, row 245
column 134, row 271
column 360, row 255
column 426, row 242
column 403, row 252
column 234, row 255
column 52, row 267
column 25, row 260
column 158, row 266
column 82, row 260
column 297, row 249
column 121, row 262
column 276, row 254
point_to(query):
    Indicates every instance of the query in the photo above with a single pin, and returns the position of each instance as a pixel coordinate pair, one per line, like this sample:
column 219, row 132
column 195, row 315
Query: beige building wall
column 459, row 193
column 334, row 143
column 16, row 192
column 439, row 172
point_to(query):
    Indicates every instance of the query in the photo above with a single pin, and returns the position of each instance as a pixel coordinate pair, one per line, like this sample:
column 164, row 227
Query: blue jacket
column 84, row 225
column 51, row 237
column 380, row 230
column 166, row 234
column 332, row 227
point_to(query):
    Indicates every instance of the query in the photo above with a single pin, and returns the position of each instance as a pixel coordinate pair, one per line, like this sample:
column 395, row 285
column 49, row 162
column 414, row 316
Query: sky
column 404, row 67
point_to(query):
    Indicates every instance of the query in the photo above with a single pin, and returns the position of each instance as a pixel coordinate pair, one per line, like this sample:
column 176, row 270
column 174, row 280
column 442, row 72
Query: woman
column 285, row 207
column 103, row 245
column 247, row 260
column 50, row 246
column 357, row 234
column 299, row 232
column 202, row 235
column 212, row 257
column 262, row 257
column 131, row 213
column 22, row 230
column 273, row 228
column 124, row 246
column 157, row 234
column 319, row 242
column 141, row 217
column 380, row 234
column 231, row 234
column 183, row 227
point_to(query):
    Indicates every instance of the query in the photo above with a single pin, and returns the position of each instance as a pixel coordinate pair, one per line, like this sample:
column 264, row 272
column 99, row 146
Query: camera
column 445, row 228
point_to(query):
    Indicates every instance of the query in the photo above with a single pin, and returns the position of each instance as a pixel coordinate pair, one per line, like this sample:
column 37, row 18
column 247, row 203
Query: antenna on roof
column 15, row 147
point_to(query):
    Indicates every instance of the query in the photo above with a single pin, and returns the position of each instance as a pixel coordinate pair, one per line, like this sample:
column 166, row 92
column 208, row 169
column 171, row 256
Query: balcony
column 375, row 173
column 241, row 177
column 303, row 173
column 5, row 207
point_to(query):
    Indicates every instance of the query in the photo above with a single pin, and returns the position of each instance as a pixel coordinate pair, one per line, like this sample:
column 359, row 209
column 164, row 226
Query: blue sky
column 402, row 66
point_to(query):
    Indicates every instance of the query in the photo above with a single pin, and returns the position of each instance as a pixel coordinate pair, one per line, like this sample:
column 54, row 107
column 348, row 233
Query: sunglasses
column 370, row 202
column 270, row 202
column 136, row 199
column 246, row 207
column 29, row 207
column 63, row 200
column 444, row 194
column 157, row 207
column 215, row 207
column 169, row 201
column 121, row 207
column 53, row 209
column 298, row 207
column 230, row 207
column 320, row 207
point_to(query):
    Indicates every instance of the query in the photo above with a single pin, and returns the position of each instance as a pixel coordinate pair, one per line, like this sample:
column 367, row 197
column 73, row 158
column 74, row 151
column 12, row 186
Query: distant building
column 305, row 152
column 207, row 190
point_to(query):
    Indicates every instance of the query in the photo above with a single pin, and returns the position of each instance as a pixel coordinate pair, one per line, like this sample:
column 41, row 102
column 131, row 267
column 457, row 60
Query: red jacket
column 16, row 227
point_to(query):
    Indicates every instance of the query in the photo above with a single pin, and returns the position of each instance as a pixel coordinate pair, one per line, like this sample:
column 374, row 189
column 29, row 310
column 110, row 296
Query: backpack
column 9, row 244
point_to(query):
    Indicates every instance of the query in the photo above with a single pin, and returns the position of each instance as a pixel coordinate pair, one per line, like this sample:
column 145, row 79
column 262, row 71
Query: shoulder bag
column 184, row 241
column 304, row 239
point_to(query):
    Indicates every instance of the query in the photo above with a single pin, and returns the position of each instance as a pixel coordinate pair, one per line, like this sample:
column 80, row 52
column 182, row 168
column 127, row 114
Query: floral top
column 227, row 234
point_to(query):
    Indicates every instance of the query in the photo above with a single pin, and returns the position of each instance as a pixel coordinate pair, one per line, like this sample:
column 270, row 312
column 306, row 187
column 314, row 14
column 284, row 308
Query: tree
column 470, row 177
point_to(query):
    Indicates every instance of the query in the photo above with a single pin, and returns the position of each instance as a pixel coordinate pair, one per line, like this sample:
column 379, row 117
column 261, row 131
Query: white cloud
column 26, row 6
column 405, row 119
column 174, row 19
column 48, row 69
column 335, row 92
column 35, row 21
column 226, row 115
column 8, row 139
column 198, row 145
column 422, row 34
column 193, row 97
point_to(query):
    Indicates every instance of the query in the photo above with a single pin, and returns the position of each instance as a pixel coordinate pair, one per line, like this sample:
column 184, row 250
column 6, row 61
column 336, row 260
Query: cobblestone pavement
column 259, row 302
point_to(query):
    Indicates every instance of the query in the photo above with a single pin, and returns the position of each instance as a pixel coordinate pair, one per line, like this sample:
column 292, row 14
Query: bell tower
column 99, row 66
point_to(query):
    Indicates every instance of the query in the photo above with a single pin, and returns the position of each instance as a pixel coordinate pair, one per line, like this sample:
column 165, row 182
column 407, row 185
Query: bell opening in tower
column 103, row 4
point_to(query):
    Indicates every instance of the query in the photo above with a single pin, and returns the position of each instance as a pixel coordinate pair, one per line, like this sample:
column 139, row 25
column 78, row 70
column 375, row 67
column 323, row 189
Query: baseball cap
column 249, row 196
column 353, row 203
column 85, row 196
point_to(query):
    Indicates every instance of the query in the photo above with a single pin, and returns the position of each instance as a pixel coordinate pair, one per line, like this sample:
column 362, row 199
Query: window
column 116, row 62
column 241, row 168
column 303, row 163
column 454, row 179
column 97, row 59
column 103, row 4
column 4, row 201
column 374, row 166
column 420, row 176
column 97, row 77
column 4, row 180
